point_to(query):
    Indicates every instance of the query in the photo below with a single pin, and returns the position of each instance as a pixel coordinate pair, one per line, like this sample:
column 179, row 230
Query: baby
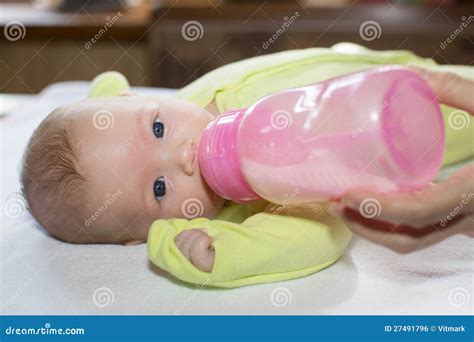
column 89, row 183
column 120, row 169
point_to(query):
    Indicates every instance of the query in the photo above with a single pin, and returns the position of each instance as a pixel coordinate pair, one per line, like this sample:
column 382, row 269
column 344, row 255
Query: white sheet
column 40, row 275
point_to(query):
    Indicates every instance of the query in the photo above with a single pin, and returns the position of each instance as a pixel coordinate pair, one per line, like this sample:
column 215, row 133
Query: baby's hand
column 196, row 246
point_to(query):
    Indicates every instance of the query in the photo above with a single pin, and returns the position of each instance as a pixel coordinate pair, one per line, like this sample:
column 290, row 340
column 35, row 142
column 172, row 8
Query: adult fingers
column 417, row 209
column 450, row 88
column 404, row 243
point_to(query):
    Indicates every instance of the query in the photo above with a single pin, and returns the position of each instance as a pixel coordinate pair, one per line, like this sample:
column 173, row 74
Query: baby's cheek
column 139, row 230
column 194, row 201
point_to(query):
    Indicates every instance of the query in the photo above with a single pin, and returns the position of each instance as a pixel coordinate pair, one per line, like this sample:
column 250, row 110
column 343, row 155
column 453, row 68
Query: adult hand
column 450, row 88
column 405, row 222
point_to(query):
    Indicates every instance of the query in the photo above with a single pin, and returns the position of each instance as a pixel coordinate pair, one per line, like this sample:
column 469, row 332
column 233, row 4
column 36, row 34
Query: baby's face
column 139, row 156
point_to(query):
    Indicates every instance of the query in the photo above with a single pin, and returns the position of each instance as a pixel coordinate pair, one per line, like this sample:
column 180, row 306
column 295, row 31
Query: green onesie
column 262, row 242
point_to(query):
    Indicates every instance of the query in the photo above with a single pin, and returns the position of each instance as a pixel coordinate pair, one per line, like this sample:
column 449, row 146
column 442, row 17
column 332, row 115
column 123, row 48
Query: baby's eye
column 158, row 129
column 159, row 188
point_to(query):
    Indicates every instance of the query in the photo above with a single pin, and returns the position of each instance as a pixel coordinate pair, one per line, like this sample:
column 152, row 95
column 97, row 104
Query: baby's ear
column 128, row 93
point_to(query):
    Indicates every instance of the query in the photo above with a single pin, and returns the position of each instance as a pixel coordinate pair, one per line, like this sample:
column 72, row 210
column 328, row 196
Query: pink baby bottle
column 378, row 130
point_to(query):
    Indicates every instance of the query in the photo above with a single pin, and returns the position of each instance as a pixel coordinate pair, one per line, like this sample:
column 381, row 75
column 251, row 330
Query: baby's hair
column 51, row 180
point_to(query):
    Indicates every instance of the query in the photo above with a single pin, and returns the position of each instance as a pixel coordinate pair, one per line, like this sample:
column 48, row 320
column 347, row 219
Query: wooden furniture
column 153, row 44
column 235, row 30
column 53, row 47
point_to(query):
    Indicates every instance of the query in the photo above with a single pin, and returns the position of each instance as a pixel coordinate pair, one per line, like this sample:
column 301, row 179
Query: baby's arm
column 263, row 248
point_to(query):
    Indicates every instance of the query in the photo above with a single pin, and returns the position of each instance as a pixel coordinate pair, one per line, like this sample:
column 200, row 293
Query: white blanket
column 40, row 275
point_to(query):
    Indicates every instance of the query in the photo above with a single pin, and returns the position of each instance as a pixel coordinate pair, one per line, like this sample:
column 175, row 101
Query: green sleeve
column 109, row 83
column 459, row 125
column 263, row 248
column 239, row 84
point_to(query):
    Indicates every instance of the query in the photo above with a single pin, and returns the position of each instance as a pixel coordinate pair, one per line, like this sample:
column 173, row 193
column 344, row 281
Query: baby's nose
column 187, row 156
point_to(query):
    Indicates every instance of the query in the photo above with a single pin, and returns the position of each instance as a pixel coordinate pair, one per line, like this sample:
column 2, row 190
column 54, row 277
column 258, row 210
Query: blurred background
column 171, row 43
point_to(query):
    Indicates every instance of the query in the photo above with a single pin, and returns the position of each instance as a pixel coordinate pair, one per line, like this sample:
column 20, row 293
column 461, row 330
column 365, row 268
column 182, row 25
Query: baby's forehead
column 89, row 106
column 120, row 105
column 103, row 120
column 101, row 113
column 109, row 133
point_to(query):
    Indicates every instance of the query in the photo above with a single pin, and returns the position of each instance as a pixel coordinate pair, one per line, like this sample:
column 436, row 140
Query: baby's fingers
column 184, row 241
column 202, row 253
column 196, row 246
